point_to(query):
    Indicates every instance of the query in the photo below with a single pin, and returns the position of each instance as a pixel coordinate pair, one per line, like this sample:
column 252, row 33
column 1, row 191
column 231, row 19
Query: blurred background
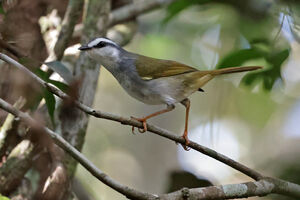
column 250, row 117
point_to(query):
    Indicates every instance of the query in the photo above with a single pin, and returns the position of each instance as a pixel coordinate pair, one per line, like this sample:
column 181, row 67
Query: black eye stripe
column 100, row 44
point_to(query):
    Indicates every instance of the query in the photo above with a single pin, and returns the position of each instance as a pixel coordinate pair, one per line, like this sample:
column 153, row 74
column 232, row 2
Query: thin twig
column 11, row 49
column 127, row 121
column 71, row 17
column 19, row 162
column 236, row 191
column 129, row 192
column 128, row 12
column 133, row 10
column 262, row 187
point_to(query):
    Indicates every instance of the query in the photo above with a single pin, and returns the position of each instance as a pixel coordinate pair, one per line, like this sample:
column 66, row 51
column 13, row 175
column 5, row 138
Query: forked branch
column 263, row 185
column 128, row 121
column 258, row 188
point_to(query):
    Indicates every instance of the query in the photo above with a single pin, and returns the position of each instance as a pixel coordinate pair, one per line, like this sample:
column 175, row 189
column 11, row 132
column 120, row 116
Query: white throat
column 108, row 56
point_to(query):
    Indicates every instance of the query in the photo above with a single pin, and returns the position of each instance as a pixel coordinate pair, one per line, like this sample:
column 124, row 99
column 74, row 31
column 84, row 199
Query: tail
column 230, row 70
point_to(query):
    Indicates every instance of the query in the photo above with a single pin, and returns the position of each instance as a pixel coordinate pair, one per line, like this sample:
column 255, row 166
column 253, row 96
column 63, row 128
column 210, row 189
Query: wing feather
column 157, row 68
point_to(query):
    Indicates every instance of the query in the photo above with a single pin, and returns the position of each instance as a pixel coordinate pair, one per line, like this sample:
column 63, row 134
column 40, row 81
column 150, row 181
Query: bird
column 154, row 81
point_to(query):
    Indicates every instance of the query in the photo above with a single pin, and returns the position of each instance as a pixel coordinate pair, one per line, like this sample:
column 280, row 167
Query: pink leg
column 144, row 119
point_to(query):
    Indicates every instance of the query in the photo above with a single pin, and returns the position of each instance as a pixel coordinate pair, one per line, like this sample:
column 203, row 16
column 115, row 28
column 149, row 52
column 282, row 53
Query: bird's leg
column 186, row 102
column 144, row 119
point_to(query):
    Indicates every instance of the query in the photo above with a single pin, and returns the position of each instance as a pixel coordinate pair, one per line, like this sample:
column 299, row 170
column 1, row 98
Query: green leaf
column 30, row 63
column 4, row 197
column 45, row 76
column 237, row 58
column 61, row 69
column 270, row 75
column 50, row 102
column 1, row 12
column 42, row 74
column 62, row 86
column 279, row 57
column 176, row 7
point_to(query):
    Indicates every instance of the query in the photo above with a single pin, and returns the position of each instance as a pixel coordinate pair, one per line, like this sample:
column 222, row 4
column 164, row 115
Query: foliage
column 268, row 75
column 61, row 69
column 48, row 96
column 176, row 7
column 1, row 9
column 257, row 33
column 3, row 197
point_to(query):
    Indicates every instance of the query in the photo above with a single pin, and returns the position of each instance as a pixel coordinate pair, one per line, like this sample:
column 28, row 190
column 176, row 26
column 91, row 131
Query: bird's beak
column 84, row 48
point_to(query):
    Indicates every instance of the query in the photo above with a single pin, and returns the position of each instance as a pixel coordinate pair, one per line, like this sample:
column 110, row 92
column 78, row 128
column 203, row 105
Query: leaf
column 61, row 69
column 45, row 76
column 176, row 7
column 270, row 75
column 42, row 74
column 4, row 197
column 31, row 64
column 1, row 12
column 239, row 57
column 50, row 102
column 278, row 58
column 62, row 86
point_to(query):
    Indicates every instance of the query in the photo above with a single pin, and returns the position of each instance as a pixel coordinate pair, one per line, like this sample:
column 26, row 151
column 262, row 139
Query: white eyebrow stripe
column 97, row 40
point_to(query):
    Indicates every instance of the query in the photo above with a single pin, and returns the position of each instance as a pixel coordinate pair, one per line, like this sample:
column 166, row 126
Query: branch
column 17, row 164
column 128, row 12
column 72, row 15
column 262, row 187
column 11, row 49
column 8, row 141
column 127, row 191
column 133, row 10
column 122, row 33
column 259, row 188
column 127, row 121
column 232, row 191
column 86, row 72
column 241, row 190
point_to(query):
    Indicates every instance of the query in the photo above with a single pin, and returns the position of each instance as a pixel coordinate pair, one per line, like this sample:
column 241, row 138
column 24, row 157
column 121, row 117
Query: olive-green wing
column 157, row 68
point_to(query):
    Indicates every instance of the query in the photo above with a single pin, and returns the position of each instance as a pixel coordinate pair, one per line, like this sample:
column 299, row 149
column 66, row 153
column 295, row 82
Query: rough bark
column 266, row 185
column 17, row 164
column 72, row 123
column 73, row 12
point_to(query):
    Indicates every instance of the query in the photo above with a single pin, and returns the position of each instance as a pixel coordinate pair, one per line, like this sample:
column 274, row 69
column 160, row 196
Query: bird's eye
column 100, row 45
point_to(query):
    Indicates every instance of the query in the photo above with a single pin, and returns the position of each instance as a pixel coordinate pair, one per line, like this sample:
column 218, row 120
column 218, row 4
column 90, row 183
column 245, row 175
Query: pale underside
column 165, row 82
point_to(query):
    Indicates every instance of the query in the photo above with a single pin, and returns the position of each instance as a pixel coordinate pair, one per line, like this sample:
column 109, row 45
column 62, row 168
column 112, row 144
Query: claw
column 144, row 121
column 132, row 130
column 187, row 142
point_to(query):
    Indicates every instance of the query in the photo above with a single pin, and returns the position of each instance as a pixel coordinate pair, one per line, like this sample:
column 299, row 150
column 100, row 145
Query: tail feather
column 234, row 70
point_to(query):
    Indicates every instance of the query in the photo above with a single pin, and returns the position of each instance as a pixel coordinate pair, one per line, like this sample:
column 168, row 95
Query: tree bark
column 72, row 123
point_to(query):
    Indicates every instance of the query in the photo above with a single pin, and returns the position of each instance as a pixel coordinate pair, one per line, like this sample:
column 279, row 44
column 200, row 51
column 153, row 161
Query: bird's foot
column 187, row 142
column 144, row 121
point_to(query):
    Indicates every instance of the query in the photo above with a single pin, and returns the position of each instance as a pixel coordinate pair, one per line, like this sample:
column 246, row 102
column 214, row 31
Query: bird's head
column 102, row 50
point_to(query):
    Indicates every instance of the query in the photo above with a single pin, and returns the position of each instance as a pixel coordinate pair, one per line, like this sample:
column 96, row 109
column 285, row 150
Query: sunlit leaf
column 61, row 69
column 4, row 197
column 50, row 102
